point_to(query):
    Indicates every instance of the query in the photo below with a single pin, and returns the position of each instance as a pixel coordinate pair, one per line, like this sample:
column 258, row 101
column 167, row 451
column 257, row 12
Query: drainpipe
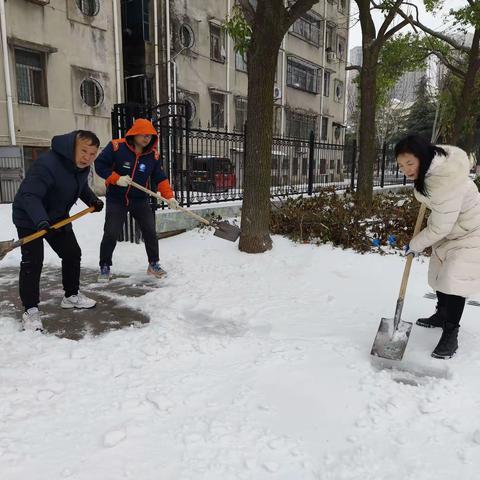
column 6, row 72
column 118, row 73
column 323, row 66
column 227, row 65
column 284, row 82
column 157, row 67
column 283, row 88
column 167, row 28
column 345, row 80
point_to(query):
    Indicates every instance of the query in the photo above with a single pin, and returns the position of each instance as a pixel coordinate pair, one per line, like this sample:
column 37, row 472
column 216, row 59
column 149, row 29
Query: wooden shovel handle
column 60, row 224
column 408, row 264
column 160, row 197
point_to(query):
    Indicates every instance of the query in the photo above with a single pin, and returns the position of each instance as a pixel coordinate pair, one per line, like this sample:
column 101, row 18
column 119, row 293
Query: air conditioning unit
column 277, row 93
column 331, row 56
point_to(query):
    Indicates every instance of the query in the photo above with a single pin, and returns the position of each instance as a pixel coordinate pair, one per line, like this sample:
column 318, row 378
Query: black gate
column 173, row 127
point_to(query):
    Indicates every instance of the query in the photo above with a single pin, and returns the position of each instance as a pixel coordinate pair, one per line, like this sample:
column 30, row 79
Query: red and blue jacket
column 119, row 158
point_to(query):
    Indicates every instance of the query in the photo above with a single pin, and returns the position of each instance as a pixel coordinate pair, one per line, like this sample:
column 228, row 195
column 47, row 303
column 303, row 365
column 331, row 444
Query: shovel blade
column 6, row 247
column 227, row 231
column 390, row 343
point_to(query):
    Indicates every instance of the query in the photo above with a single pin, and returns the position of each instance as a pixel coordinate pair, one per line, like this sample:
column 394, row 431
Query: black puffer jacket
column 52, row 185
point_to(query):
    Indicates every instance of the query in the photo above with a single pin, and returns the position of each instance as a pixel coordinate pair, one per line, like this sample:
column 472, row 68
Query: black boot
column 435, row 321
column 448, row 344
column 431, row 322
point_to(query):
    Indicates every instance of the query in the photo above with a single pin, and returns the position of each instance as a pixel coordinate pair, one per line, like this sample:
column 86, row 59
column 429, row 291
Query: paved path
column 75, row 324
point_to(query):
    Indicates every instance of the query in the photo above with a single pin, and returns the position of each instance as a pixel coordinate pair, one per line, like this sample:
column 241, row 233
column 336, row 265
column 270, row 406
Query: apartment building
column 310, row 81
column 58, row 72
column 68, row 61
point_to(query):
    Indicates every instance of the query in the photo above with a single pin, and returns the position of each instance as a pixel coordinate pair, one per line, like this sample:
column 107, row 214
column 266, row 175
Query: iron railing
column 207, row 165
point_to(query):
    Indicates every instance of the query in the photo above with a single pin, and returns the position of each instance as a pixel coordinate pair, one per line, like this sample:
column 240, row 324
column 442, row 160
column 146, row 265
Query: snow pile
column 253, row 367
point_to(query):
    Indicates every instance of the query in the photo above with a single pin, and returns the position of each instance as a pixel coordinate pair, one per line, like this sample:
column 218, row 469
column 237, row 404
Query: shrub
column 339, row 219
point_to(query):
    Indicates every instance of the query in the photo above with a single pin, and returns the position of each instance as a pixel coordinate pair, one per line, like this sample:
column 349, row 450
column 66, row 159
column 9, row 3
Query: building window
column 192, row 108
column 337, row 131
column 240, row 113
column 299, row 125
column 217, row 104
column 341, row 42
column 326, row 83
column 91, row 92
column 302, row 76
column 217, row 49
column 330, row 38
column 90, row 8
column 240, row 62
column 338, row 87
column 324, row 129
column 308, row 28
column 30, row 154
column 187, row 36
column 323, row 166
column 31, row 84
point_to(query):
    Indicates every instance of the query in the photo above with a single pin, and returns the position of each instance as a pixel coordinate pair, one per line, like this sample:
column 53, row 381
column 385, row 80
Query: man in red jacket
column 132, row 158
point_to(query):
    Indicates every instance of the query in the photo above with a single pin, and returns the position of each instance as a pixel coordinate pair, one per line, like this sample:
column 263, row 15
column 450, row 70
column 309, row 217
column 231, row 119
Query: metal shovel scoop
column 9, row 245
column 223, row 229
column 393, row 333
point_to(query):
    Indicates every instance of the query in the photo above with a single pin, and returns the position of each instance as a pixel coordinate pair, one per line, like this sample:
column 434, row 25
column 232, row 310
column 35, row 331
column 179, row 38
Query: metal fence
column 207, row 165
column 11, row 172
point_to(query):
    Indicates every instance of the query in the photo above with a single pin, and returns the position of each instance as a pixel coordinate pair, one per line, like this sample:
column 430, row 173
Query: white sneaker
column 78, row 301
column 32, row 320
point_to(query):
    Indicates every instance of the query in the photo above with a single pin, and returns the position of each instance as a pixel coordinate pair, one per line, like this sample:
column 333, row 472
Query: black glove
column 98, row 204
column 44, row 225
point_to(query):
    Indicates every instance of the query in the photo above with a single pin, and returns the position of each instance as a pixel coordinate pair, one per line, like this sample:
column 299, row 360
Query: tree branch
column 354, row 67
column 299, row 8
column 248, row 11
column 455, row 70
column 395, row 29
column 389, row 19
column 435, row 34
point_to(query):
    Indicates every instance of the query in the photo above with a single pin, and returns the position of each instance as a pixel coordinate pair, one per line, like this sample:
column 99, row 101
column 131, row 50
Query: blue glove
column 407, row 251
column 392, row 241
column 376, row 242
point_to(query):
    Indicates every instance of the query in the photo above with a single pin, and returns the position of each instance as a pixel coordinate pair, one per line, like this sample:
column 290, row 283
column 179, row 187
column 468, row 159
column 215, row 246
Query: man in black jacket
column 50, row 188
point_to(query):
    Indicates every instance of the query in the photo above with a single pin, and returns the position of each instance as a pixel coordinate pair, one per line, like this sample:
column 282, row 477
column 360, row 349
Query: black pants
column 115, row 216
column 65, row 245
column 453, row 306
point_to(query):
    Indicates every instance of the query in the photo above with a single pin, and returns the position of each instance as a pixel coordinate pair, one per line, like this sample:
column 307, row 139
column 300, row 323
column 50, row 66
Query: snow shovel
column 223, row 229
column 9, row 245
column 393, row 333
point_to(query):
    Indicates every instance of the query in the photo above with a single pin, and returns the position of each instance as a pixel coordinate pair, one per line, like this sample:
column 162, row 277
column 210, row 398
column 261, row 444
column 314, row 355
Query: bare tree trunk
column 270, row 21
column 262, row 62
column 367, row 147
column 464, row 115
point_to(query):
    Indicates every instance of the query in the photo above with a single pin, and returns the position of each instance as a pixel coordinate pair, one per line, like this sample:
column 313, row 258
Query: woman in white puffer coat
column 442, row 183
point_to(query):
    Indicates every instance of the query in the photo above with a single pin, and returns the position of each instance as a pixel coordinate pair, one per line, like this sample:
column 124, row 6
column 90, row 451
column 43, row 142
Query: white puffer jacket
column 453, row 227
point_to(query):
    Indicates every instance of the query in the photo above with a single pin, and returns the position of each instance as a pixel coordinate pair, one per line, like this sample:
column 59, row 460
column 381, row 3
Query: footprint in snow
column 113, row 438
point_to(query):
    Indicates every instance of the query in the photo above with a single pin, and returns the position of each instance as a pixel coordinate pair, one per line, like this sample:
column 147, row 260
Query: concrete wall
column 81, row 47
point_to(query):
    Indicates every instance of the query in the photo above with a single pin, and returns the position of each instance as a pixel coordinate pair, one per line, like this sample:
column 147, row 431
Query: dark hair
column 424, row 151
column 88, row 135
column 131, row 142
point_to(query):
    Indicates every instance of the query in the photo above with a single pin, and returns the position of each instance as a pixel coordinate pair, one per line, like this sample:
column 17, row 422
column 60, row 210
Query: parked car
column 209, row 173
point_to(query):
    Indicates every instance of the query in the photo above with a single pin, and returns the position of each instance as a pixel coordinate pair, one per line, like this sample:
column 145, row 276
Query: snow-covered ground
column 253, row 367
